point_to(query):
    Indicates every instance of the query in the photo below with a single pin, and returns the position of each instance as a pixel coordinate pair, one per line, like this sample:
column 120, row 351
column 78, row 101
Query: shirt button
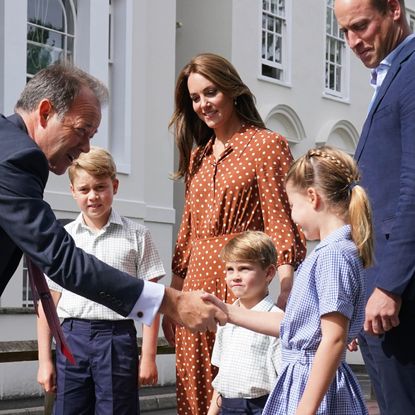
column 140, row 314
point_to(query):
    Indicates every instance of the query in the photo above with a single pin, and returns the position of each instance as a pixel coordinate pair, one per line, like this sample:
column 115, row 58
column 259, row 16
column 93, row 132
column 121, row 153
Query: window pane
column 278, row 50
column 338, row 53
column 270, row 43
column 335, row 31
column 331, row 77
column 281, row 8
column 271, row 72
column 332, row 51
column 327, row 75
column 328, row 22
column 338, row 78
column 50, row 33
column 278, row 26
column 270, row 25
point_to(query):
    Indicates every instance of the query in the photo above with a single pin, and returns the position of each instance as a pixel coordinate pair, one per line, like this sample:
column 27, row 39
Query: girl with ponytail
column 325, row 311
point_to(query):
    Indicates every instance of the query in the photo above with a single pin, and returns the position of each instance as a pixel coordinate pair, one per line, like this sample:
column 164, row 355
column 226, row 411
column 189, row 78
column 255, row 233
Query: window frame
column 284, row 66
column 410, row 15
column 333, row 34
column 65, row 33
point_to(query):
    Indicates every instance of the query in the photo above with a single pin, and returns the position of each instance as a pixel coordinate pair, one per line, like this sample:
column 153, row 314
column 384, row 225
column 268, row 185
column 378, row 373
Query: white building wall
column 134, row 128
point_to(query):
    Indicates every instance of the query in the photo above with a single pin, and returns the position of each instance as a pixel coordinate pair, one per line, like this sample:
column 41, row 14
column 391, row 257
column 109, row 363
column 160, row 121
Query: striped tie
column 41, row 291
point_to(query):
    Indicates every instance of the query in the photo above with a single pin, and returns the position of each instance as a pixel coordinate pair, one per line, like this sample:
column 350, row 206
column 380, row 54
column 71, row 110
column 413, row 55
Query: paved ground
column 153, row 401
column 373, row 410
column 372, row 406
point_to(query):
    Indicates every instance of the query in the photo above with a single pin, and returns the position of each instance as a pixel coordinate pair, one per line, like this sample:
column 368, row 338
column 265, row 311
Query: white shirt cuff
column 147, row 305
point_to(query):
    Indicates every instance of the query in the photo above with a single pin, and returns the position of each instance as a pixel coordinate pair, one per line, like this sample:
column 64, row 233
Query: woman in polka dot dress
column 234, row 182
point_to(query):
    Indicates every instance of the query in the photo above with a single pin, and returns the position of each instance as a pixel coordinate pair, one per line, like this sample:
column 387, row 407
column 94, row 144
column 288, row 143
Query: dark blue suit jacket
column 28, row 224
column 386, row 157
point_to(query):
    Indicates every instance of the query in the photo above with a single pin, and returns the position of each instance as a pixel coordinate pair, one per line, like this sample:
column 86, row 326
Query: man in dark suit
column 57, row 114
column 378, row 33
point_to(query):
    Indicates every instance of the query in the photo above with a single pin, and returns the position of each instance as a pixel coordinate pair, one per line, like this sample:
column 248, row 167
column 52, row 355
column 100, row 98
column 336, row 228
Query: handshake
column 196, row 310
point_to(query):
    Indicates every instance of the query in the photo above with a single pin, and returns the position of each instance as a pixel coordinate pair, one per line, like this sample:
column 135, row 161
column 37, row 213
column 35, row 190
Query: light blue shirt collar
column 379, row 73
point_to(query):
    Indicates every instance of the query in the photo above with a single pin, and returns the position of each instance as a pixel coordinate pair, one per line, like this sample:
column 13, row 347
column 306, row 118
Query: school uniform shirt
column 121, row 243
column 248, row 361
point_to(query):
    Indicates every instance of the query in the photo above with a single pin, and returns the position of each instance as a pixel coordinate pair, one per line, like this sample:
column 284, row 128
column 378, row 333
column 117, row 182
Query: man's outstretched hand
column 196, row 310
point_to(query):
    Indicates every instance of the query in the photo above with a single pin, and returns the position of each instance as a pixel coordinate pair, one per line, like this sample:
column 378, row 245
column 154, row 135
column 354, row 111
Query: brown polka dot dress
column 242, row 190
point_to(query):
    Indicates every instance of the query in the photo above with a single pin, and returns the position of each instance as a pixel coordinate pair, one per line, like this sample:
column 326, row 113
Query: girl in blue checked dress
column 325, row 310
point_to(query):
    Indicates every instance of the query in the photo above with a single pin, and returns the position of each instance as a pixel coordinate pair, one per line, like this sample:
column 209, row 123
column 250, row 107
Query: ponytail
column 360, row 216
column 337, row 175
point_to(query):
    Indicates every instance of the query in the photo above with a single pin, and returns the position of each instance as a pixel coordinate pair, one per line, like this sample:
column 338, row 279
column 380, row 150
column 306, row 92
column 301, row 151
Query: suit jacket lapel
column 393, row 71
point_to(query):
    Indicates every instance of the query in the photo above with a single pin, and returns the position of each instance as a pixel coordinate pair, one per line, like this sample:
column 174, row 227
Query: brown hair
column 250, row 246
column 97, row 162
column 189, row 129
column 336, row 175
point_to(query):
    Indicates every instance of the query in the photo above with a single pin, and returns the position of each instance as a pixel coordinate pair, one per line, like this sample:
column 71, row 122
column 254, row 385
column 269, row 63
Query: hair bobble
column 353, row 184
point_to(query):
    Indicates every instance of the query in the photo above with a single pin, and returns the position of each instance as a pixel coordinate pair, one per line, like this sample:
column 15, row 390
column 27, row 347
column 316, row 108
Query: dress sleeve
column 183, row 245
column 272, row 164
column 336, row 283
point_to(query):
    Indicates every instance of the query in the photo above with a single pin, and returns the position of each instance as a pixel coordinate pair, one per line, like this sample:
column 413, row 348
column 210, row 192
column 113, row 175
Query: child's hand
column 147, row 370
column 46, row 376
column 353, row 346
column 218, row 303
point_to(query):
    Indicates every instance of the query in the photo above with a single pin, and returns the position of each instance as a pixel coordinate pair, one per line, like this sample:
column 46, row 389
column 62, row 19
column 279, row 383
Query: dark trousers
column 104, row 380
column 243, row 406
column 390, row 362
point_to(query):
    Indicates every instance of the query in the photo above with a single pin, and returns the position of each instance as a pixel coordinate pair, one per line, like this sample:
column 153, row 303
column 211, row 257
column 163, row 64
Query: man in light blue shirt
column 378, row 33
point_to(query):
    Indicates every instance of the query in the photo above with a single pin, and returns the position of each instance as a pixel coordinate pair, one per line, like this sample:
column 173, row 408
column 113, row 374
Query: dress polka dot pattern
column 242, row 190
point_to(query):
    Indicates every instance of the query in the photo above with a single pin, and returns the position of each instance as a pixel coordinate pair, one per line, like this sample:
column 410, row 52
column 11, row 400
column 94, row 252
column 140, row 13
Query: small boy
column 247, row 360
column 104, row 343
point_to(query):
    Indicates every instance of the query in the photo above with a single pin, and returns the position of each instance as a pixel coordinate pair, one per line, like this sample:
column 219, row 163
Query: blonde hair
column 336, row 175
column 97, row 162
column 250, row 246
column 189, row 129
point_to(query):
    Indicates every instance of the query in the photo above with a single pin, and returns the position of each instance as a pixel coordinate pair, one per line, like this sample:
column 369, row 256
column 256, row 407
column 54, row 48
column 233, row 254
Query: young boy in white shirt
column 247, row 360
column 107, row 371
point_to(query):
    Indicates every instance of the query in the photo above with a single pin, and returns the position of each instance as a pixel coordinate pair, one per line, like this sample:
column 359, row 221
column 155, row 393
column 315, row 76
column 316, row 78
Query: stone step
column 151, row 399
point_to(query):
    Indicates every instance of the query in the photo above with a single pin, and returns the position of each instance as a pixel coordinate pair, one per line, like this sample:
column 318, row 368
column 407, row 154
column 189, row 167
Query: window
column 50, row 33
column 335, row 71
column 411, row 19
column 274, row 40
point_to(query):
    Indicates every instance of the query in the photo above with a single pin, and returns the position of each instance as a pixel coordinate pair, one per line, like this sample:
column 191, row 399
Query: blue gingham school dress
column 330, row 279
